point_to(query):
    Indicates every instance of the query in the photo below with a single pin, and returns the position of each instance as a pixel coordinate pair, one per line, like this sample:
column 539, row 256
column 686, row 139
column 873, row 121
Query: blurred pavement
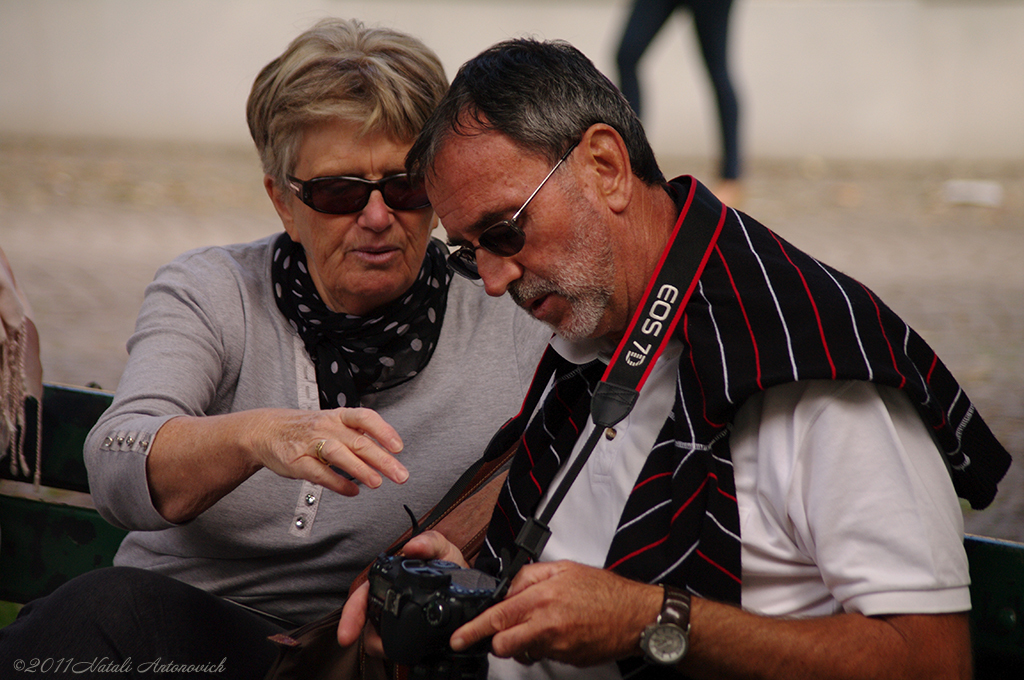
column 86, row 224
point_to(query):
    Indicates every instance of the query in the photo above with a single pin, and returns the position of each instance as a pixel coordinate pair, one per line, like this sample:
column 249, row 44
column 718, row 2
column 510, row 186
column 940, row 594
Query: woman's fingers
column 364, row 448
column 369, row 422
column 339, row 449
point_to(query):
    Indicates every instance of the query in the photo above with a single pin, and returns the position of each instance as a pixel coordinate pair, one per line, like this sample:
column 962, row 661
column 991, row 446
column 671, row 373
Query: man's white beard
column 585, row 283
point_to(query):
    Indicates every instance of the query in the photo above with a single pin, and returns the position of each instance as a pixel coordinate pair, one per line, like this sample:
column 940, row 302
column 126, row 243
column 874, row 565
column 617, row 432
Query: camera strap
column 647, row 335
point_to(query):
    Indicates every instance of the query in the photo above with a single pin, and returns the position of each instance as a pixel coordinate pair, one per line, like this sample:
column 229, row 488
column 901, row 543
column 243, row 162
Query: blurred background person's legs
column 645, row 20
column 711, row 23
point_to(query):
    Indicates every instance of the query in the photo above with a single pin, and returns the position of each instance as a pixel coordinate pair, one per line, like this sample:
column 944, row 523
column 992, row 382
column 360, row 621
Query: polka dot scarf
column 356, row 355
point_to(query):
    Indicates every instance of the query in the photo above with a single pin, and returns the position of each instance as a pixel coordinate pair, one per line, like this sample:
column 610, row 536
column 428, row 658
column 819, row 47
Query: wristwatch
column 666, row 641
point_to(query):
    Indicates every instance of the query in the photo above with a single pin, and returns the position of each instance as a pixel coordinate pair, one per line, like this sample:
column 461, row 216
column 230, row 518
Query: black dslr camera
column 416, row 605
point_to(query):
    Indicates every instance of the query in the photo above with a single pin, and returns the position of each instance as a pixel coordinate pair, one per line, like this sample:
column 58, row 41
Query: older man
column 781, row 501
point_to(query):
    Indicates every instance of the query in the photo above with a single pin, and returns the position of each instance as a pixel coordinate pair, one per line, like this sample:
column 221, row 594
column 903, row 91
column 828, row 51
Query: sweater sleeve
column 183, row 350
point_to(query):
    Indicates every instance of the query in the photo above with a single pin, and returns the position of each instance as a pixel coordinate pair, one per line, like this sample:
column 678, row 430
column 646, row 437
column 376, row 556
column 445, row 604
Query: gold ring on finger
column 320, row 451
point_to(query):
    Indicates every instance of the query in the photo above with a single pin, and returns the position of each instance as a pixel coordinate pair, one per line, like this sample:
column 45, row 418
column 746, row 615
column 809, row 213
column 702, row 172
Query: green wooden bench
column 997, row 607
column 51, row 533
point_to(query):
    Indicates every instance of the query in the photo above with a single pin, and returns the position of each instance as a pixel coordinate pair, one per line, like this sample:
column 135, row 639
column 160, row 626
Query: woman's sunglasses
column 344, row 195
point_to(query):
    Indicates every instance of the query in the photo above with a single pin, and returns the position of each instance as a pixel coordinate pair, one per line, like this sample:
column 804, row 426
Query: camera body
column 416, row 605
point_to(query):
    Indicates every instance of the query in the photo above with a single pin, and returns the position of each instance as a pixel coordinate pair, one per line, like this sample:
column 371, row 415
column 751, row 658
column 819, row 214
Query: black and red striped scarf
column 764, row 313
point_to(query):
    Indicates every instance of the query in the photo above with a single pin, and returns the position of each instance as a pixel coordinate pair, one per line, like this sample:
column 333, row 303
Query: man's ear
column 608, row 158
column 282, row 201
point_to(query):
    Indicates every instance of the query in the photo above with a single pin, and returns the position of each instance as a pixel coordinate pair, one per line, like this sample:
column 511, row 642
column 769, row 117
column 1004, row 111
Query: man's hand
column 353, row 622
column 429, row 545
column 568, row 612
column 585, row 616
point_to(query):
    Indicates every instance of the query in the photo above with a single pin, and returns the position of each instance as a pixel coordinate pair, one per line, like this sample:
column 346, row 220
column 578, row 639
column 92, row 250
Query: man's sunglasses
column 504, row 239
column 344, row 195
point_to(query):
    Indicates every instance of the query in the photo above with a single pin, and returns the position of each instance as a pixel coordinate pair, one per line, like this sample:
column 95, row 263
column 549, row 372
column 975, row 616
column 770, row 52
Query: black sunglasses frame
column 304, row 190
column 504, row 238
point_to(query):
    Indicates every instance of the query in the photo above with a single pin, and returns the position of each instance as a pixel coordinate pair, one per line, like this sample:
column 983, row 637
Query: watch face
column 667, row 644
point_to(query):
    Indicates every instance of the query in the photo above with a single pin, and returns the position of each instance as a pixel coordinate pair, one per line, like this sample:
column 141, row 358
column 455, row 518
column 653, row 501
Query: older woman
column 283, row 399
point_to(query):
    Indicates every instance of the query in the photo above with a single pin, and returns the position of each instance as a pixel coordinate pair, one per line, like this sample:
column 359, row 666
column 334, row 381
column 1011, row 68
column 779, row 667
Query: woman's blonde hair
column 383, row 80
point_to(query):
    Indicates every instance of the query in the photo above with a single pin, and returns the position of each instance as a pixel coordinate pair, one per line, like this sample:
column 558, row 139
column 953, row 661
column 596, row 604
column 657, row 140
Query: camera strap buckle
column 533, row 537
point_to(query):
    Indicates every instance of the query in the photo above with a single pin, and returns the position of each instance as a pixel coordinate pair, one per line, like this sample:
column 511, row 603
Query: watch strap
column 675, row 607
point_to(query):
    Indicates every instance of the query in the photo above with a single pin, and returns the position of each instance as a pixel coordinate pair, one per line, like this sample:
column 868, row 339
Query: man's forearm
column 726, row 642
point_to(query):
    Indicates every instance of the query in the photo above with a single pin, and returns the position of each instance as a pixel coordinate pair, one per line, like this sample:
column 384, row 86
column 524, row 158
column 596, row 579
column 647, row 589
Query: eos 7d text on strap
column 649, row 331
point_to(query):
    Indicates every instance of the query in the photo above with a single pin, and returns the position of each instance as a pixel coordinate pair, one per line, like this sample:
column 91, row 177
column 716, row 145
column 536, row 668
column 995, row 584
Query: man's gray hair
column 541, row 95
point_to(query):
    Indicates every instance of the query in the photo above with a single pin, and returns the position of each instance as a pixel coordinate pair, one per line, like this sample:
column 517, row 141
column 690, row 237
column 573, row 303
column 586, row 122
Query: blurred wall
column 835, row 78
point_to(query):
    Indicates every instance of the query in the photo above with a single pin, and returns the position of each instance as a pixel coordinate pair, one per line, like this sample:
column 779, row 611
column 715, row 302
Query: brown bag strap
column 464, row 513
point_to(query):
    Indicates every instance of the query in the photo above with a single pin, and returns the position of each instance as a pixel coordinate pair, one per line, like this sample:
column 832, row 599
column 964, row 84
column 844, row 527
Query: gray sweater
column 210, row 340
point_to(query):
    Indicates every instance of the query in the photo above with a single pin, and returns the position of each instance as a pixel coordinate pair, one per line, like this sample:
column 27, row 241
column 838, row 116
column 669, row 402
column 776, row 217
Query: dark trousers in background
column 141, row 623
column 711, row 21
